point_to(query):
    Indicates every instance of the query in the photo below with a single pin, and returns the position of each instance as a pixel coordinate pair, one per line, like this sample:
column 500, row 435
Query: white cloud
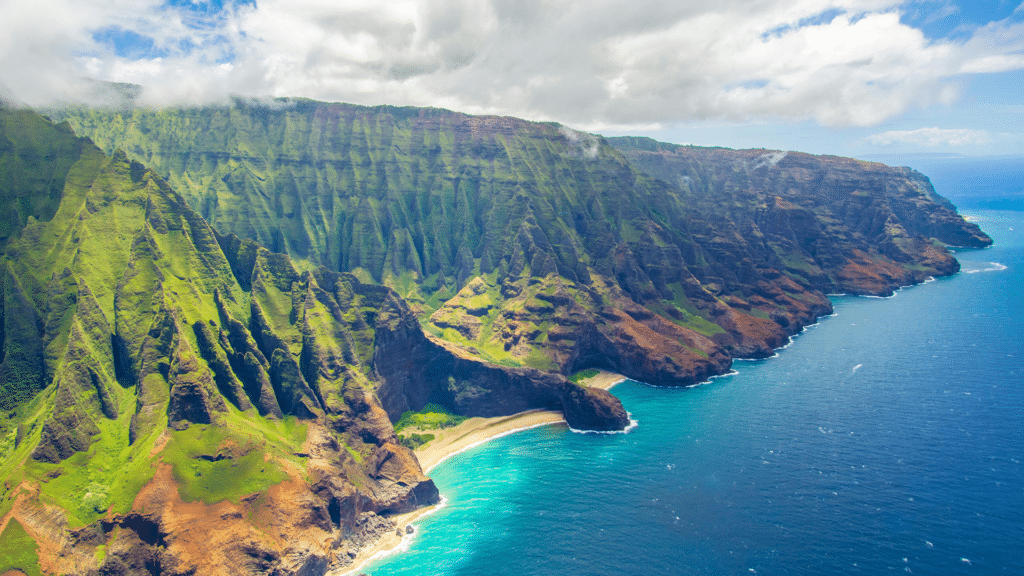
column 584, row 62
column 932, row 137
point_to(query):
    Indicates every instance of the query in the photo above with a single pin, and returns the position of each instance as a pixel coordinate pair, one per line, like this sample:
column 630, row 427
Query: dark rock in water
column 593, row 409
column 409, row 529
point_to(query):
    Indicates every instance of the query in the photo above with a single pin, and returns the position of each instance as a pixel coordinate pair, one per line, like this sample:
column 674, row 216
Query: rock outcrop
column 838, row 224
column 593, row 409
column 416, row 369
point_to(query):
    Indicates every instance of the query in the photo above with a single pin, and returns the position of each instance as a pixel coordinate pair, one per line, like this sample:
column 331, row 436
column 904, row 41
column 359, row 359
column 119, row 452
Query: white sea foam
column 995, row 267
column 632, row 426
column 616, row 383
column 717, row 376
column 486, row 440
column 893, row 295
column 402, row 546
column 774, row 355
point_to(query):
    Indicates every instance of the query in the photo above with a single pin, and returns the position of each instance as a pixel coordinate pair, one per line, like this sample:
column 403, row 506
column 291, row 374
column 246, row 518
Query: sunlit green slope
column 533, row 244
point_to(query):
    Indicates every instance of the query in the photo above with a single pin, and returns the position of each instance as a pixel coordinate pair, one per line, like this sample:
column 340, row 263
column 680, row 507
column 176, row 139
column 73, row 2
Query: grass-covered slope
column 426, row 201
column 530, row 244
column 405, row 194
column 35, row 158
column 181, row 399
column 154, row 406
column 34, row 162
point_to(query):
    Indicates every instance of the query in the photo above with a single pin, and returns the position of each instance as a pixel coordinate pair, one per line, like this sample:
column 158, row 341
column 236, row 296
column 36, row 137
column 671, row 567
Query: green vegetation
column 354, row 453
column 430, row 417
column 104, row 478
column 212, row 464
column 539, row 360
column 414, row 440
column 127, row 320
column 422, row 210
column 18, row 550
column 140, row 315
column 582, row 375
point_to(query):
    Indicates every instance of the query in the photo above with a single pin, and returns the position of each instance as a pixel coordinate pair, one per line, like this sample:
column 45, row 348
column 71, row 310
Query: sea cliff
column 212, row 317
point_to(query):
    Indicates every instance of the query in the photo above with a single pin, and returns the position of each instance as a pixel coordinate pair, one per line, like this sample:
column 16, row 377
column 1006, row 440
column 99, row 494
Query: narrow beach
column 448, row 442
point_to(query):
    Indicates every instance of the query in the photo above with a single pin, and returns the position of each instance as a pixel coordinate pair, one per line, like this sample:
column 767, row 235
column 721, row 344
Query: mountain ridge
column 428, row 201
column 163, row 377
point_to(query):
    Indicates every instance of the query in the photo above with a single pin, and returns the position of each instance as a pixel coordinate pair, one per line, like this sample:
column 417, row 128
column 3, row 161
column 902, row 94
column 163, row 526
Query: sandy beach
column 448, row 442
column 604, row 380
column 474, row 431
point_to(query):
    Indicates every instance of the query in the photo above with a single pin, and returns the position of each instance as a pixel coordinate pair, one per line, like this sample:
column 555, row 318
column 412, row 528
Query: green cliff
column 531, row 244
column 212, row 316
column 181, row 398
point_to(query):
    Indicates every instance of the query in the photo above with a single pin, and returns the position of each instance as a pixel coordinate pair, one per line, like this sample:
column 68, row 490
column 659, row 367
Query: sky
column 847, row 77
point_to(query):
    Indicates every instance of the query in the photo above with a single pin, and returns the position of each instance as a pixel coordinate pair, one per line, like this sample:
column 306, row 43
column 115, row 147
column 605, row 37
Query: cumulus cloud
column 593, row 63
column 931, row 137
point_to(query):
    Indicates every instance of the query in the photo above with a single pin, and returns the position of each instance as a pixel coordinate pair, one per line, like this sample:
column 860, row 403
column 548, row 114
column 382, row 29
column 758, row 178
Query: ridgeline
column 212, row 316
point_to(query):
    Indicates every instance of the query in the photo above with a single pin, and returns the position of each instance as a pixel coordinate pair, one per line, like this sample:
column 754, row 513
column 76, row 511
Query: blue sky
column 849, row 77
column 992, row 105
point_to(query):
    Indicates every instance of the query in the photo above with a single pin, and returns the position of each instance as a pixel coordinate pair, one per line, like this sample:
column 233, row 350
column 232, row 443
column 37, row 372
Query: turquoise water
column 887, row 438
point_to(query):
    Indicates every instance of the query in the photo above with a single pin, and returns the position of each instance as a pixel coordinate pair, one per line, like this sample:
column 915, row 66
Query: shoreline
column 604, row 380
column 474, row 431
column 479, row 430
column 451, row 441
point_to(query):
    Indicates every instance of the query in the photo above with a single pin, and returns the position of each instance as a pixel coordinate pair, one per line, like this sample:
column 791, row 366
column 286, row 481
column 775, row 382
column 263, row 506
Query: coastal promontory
column 213, row 317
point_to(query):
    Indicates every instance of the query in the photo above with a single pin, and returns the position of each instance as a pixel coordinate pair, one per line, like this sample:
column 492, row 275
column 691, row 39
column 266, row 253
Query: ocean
column 887, row 438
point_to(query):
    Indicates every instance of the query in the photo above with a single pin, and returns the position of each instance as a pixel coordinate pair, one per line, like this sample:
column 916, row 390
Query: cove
column 886, row 438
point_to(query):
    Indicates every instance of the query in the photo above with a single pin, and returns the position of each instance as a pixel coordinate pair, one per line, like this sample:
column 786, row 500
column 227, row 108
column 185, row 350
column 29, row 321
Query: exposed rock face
column 534, row 245
column 293, row 528
column 235, row 413
column 841, row 225
column 593, row 409
column 416, row 369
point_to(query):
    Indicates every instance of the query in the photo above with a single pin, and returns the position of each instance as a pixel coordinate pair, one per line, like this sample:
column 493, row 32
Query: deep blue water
column 888, row 438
